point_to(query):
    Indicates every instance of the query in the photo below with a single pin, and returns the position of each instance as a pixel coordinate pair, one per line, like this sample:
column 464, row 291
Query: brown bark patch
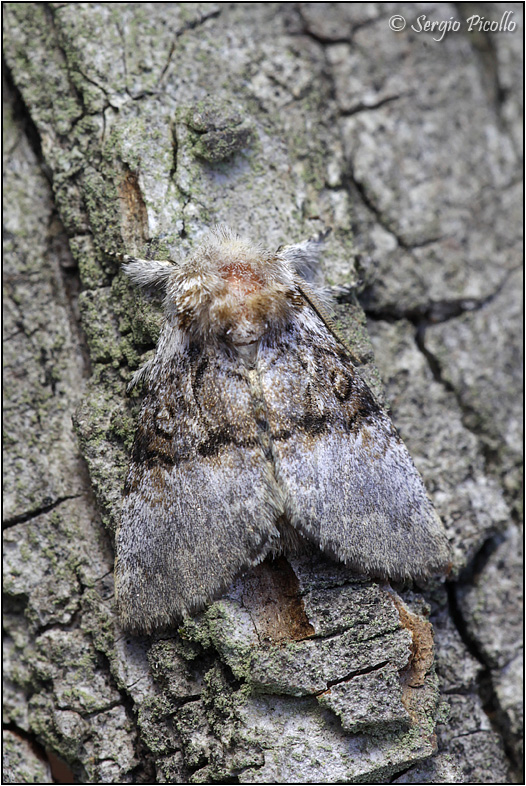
column 273, row 599
column 134, row 221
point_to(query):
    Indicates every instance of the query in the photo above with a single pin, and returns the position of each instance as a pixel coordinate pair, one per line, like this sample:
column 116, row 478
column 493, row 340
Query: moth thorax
column 241, row 278
column 235, row 300
column 248, row 305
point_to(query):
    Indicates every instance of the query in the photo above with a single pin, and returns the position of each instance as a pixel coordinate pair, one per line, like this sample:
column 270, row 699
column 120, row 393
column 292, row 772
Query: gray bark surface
column 135, row 126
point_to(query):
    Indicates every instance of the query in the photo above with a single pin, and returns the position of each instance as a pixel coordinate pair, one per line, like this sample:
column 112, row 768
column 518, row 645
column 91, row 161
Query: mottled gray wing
column 200, row 499
column 349, row 482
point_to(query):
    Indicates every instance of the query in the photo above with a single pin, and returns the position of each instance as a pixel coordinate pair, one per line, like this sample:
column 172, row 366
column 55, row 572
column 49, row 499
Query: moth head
column 232, row 289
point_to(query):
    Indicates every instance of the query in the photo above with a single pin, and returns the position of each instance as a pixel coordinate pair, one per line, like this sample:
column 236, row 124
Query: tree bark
column 133, row 127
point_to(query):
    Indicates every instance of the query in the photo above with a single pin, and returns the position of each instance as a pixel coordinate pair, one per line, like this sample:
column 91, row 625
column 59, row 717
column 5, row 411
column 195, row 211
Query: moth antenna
column 152, row 274
column 321, row 309
column 304, row 257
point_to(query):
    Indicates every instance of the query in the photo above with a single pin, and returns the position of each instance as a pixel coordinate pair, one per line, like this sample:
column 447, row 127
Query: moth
column 256, row 431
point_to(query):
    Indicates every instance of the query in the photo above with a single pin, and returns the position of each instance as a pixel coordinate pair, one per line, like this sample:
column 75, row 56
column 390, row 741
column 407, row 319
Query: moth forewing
column 200, row 502
column 349, row 481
